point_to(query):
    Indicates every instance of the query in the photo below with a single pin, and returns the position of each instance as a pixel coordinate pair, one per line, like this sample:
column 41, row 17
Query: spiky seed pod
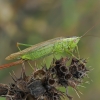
column 36, row 88
column 64, row 69
column 42, row 84
column 78, row 68
column 3, row 89
column 67, row 76
column 39, row 74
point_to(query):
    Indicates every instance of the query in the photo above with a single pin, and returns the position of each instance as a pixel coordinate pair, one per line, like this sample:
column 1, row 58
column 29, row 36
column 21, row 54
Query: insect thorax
column 69, row 44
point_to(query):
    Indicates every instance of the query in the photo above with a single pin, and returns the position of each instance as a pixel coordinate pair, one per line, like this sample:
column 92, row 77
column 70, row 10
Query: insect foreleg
column 30, row 65
column 71, row 53
column 78, row 51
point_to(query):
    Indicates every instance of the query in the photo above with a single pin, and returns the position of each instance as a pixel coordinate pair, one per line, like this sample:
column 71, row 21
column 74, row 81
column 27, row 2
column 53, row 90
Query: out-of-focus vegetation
column 33, row 21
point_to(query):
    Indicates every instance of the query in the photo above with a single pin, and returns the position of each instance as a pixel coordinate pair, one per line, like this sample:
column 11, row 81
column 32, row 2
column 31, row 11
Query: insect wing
column 32, row 48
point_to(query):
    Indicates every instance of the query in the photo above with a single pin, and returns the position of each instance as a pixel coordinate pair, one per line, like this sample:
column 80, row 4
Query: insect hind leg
column 27, row 45
column 21, row 44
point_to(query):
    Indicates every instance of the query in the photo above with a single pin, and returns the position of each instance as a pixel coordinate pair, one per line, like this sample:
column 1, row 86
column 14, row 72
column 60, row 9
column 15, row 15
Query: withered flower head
column 68, row 75
column 78, row 68
column 43, row 83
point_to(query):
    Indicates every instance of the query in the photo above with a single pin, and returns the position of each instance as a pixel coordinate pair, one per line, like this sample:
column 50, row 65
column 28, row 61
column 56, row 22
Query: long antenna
column 89, row 30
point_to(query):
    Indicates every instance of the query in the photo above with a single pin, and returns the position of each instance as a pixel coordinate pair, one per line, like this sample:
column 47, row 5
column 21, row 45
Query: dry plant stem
column 11, row 64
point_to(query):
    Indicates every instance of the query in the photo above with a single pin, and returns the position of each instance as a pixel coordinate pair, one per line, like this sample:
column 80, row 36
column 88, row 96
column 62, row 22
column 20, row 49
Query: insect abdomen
column 38, row 53
column 44, row 51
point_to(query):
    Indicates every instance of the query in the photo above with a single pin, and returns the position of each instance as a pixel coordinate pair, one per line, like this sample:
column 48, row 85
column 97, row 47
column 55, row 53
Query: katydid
column 53, row 46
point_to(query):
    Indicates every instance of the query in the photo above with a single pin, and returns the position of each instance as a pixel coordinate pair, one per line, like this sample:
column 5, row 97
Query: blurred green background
column 34, row 21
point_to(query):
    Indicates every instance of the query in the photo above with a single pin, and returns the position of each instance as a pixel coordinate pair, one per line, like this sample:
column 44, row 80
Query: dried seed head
column 36, row 88
column 68, row 76
column 42, row 84
column 39, row 74
column 22, row 85
column 3, row 89
column 51, row 82
column 78, row 68
column 64, row 69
